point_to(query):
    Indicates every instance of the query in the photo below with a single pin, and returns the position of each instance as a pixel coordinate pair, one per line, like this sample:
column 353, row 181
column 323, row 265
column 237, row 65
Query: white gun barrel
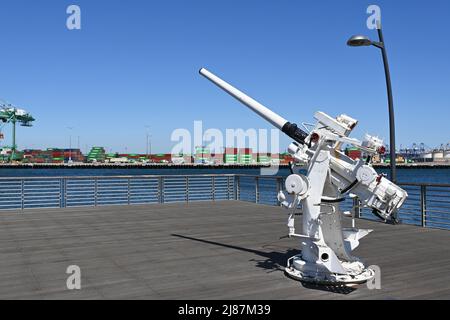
column 279, row 122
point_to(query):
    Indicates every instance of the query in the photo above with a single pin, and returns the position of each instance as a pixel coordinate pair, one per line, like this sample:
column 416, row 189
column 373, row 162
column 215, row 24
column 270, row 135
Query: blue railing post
column 161, row 189
column 256, row 189
column 213, row 182
column 62, row 192
column 187, row 188
column 237, row 195
column 357, row 207
column 95, row 191
column 128, row 190
column 423, row 205
column 22, row 194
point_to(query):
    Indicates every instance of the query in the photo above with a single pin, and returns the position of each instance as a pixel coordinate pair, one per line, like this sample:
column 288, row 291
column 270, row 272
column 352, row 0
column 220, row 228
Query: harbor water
column 404, row 175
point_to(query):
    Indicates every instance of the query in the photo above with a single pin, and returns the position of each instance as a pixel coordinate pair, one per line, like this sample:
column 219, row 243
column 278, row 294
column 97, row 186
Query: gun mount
column 326, row 246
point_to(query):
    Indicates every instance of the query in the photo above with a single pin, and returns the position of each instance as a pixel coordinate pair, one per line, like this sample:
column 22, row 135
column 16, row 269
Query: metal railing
column 258, row 189
column 428, row 205
column 64, row 192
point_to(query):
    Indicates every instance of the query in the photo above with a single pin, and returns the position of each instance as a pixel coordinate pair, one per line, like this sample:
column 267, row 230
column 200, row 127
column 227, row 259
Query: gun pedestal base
column 299, row 269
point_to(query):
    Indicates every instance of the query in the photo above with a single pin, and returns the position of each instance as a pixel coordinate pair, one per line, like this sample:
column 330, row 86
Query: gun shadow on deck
column 274, row 261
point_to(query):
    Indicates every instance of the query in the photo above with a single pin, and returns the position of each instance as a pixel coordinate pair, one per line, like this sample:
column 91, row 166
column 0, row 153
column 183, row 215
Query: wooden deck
column 223, row 250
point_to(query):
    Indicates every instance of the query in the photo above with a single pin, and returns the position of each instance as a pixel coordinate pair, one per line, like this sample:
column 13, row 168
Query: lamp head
column 359, row 41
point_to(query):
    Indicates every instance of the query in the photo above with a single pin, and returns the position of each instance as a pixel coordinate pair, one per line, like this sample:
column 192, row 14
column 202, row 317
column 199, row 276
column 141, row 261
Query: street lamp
column 70, row 144
column 148, row 142
column 361, row 41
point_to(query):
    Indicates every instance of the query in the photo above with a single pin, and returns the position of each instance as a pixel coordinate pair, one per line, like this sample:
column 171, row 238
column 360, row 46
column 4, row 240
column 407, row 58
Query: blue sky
column 135, row 64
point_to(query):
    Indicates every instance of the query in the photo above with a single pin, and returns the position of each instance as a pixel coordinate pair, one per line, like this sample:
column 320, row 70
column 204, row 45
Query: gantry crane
column 11, row 114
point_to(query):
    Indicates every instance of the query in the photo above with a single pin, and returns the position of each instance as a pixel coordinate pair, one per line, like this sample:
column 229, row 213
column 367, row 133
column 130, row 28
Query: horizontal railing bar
column 50, row 197
column 438, row 218
column 434, row 206
column 116, row 177
column 410, row 212
column 10, row 194
column 411, row 218
column 438, row 223
column 436, row 196
column 424, row 184
column 437, row 211
column 41, row 203
column 412, row 194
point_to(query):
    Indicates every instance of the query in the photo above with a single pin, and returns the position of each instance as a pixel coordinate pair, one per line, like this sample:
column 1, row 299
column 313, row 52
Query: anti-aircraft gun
column 331, row 175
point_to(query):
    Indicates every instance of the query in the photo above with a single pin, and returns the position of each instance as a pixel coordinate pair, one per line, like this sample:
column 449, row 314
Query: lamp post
column 70, row 144
column 359, row 41
column 148, row 142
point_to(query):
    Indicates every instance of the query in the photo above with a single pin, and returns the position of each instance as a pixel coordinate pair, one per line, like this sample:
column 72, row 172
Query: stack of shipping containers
column 111, row 156
column 245, row 156
column 202, row 155
column 217, row 158
column 57, row 155
column 52, row 155
column 42, row 156
column 37, row 156
column 132, row 157
column 231, row 155
column 263, row 158
column 97, row 154
column 74, row 154
column 4, row 158
column 161, row 158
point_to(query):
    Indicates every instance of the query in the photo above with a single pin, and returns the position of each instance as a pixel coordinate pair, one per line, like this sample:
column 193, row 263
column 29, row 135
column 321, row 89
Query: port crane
column 326, row 247
column 11, row 114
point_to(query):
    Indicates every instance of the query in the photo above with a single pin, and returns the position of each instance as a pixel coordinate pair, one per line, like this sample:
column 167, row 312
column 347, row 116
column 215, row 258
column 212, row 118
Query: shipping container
column 231, row 150
column 353, row 153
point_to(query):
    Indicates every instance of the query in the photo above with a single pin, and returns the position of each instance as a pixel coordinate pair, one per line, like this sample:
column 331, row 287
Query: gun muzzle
column 276, row 120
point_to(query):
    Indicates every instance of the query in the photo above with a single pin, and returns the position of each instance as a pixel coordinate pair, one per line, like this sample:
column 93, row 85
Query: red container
column 354, row 154
column 231, row 150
